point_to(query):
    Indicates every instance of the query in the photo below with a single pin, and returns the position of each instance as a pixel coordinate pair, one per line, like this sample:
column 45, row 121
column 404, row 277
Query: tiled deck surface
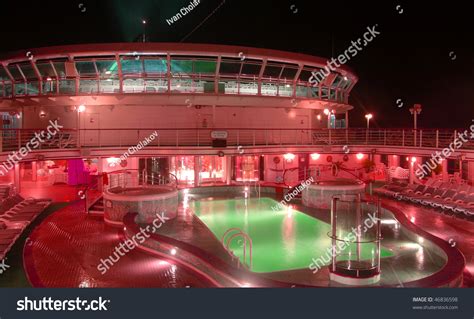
column 66, row 248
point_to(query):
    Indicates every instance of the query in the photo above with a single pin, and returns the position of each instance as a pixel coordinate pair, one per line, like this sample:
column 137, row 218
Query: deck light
column 81, row 108
column 413, row 159
column 315, row 156
column 319, row 117
column 173, row 251
column 360, row 156
column 326, row 112
column 289, row 157
column 368, row 117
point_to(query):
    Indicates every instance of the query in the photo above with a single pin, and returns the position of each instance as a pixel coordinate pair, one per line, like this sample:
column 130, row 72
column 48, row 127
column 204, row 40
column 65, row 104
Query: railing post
column 421, row 138
column 437, row 138
column 403, row 137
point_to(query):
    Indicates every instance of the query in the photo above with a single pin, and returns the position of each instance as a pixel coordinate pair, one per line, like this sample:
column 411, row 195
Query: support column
column 16, row 178
column 34, row 171
column 228, row 170
column 444, row 174
column 100, row 170
column 197, row 169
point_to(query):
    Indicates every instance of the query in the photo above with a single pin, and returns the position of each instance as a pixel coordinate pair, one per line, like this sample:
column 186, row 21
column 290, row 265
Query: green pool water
column 281, row 240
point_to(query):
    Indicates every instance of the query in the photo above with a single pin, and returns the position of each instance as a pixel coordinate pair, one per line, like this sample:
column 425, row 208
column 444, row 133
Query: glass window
column 230, row 67
column 60, row 69
column 15, row 72
column 305, row 75
column 132, row 66
column 28, row 71
column 273, row 71
column 156, row 66
column 107, row 68
column 208, row 67
column 181, row 66
column 45, row 69
column 3, row 74
column 250, row 68
column 289, row 73
column 86, row 68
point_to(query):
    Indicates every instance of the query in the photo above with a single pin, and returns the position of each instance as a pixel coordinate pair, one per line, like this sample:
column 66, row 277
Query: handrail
column 246, row 238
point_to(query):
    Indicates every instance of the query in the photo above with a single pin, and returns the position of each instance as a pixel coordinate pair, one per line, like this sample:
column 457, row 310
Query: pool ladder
column 226, row 240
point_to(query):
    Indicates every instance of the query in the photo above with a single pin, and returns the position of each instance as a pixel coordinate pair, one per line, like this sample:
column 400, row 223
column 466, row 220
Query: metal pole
column 333, row 231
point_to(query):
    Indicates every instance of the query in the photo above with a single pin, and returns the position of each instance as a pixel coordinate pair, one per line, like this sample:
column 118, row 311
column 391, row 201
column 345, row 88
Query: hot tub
column 320, row 194
column 146, row 201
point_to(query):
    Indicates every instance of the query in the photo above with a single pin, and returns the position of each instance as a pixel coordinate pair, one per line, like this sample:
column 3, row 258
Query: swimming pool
column 283, row 239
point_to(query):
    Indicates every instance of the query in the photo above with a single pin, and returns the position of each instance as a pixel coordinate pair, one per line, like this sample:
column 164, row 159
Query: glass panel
column 67, row 87
column 314, row 92
column 208, row 67
column 250, row 88
column 132, row 66
column 181, row 66
column 33, row 88
column 247, row 168
column 15, row 72
column 156, row 85
column 46, row 70
column 8, row 89
column 3, row 74
column 60, row 69
column 230, row 87
column 272, row 71
column 336, row 81
column 269, row 89
column 88, row 86
column 251, row 68
column 230, row 67
column 305, row 75
column 133, row 85
column 110, row 86
column 20, row 88
column 28, row 72
column 156, row 66
column 289, row 73
column 285, row 90
column 182, row 85
column 301, row 91
column 107, row 68
column 49, row 87
column 86, row 69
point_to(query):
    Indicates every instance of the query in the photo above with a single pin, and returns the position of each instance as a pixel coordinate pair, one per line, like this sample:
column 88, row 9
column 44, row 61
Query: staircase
column 97, row 209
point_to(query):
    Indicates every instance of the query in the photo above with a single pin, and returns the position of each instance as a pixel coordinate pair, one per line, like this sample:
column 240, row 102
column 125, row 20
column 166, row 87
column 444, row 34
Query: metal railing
column 14, row 139
column 230, row 235
column 133, row 178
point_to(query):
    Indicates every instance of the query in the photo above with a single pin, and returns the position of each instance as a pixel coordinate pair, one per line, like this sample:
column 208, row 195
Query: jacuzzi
column 320, row 194
column 146, row 201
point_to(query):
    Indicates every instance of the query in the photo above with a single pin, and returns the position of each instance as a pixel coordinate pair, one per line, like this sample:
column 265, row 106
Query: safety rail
column 237, row 232
column 14, row 139
column 132, row 178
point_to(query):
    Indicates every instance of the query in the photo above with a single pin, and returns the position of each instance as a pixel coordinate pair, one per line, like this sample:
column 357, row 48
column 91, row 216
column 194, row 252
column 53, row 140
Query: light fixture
column 369, row 116
column 81, row 108
column 319, row 117
column 326, row 111
column 289, row 157
column 359, row 156
column 144, row 21
column 287, row 85
column 346, row 78
column 315, row 156
column 413, row 159
column 173, row 251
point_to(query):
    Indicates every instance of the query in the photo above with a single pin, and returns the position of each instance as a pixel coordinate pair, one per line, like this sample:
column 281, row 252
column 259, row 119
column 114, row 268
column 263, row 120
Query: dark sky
column 423, row 55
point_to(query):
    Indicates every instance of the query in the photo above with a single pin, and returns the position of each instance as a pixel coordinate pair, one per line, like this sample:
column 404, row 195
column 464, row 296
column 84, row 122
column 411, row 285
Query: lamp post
column 415, row 111
column 144, row 30
column 368, row 117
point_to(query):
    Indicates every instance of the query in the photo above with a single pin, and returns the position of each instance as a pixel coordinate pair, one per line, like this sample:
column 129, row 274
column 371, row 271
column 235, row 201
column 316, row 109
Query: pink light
column 81, row 108
column 413, row 159
column 326, row 111
column 315, row 156
column 289, row 157
column 359, row 156
column 319, row 117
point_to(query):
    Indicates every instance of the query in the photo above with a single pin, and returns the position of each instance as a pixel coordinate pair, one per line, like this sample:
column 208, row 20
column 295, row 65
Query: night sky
column 423, row 55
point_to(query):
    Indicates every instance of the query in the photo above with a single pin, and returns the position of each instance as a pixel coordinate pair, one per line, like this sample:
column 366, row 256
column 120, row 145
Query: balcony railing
column 14, row 139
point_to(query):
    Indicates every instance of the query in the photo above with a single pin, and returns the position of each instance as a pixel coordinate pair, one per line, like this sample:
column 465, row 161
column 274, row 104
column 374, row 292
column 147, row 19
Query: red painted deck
column 66, row 248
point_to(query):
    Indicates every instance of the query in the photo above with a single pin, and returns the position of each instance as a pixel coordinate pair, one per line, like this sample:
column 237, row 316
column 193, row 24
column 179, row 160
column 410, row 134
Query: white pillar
column 16, row 178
